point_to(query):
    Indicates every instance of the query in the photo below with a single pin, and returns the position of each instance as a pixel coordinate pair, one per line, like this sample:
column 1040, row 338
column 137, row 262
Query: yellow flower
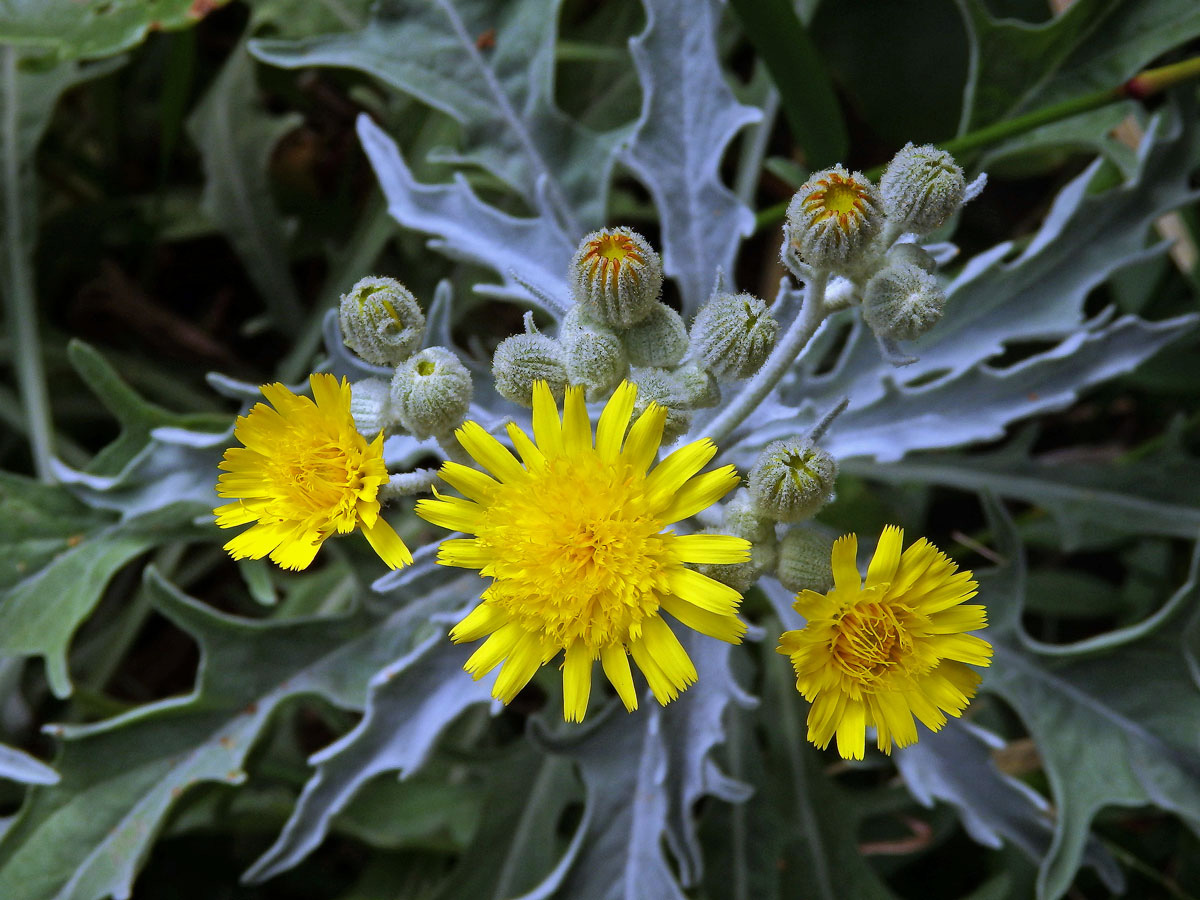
column 573, row 539
column 880, row 653
column 304, row 473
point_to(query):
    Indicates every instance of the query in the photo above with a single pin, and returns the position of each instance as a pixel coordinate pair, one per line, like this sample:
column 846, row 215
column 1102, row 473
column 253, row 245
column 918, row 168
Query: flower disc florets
column 833, row 218
column 880, row 652
column 573, row 537
column 304, row 473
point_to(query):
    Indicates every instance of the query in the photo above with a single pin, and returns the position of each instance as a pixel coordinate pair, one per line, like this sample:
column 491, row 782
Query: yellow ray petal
column 577, row 681
column 727, row 628
column 610, row 431
column 645, row 437
column 845, row 563
column 718, row 549
column 471, row 483
column 524, row 660
column 483, row 619
column 887, row 556
column 704, row 592
column 489, row 452
column 576, row 427
column 852, row 731
column 615, row 661
column 660, row 685
column 547, row 430
column 530, row 454
column 670, row 655
column 384, row 541
column 671, row 474
column 451, row 512
column 700, row 492
column 498, row 645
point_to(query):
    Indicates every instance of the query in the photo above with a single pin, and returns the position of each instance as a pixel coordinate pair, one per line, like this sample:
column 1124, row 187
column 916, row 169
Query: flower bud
column 733, row 335
column 902, row 302
column 922, row 187
column 381, row 321
column 833, row 218
column 594, row 355
column 431, row 392
column 521, row 360
column 805, row 556
column 742, row 519
column 660, row 339
column 792, row 480
column 370, row 405
column 617, row 274
column 700, row 390
column 741, row 576
column 657, row 385
column 913, row 254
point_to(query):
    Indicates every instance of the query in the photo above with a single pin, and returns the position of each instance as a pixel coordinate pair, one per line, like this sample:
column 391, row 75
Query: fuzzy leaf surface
column 1115, row 729
column 689, row 116
column 500, row 91
column 85, row 838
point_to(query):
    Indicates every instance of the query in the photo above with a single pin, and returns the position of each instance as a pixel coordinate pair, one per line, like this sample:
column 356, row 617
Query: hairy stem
column 794, row 340
column 22, row 311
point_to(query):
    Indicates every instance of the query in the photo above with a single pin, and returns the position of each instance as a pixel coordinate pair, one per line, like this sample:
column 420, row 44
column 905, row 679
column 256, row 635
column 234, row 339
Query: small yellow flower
column 304, row 473
column 880, row 653
column 573, row 539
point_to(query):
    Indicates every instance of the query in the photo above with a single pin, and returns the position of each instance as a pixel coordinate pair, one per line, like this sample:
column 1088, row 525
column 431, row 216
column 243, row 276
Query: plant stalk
column 1139, row 87
column 794, row 340
column 22, row 310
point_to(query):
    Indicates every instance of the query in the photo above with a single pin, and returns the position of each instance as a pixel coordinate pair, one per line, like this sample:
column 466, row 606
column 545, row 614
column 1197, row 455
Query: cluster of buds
column 841, row 224
column 429, row 394
column 618, row 328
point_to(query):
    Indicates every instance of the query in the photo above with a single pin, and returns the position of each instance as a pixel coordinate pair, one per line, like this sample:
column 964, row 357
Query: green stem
column 22, row 312
column 1139, row 87
column 794, row 340
column 367, row 242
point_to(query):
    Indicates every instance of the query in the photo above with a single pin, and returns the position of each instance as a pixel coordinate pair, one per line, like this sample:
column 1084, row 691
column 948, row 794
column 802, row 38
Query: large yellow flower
column 880, row 653
column 573, row 538
column 304, row 473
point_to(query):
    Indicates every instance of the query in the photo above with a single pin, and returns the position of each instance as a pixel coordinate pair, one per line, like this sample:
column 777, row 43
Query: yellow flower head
column 573, row 539
column 304, row 473
column 882, row 652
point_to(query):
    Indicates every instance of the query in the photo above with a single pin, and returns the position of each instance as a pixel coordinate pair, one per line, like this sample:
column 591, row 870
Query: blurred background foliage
column 184, row 194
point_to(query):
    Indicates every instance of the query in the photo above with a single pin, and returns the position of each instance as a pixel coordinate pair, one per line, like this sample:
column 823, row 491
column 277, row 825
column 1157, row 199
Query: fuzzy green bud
column 617, row 275
column 593, row 354
column 742, row 519
column 431, row 392
column 913, row 254
column 833, row 218
column 922, row 187
column 658, row 386
column 381, row 321
column 660, row 339
column 805, row 561
column 902, row 302
column 521, row 360
column 371, row 405
column 699, row 387
column 792, row 479
column 733, row 335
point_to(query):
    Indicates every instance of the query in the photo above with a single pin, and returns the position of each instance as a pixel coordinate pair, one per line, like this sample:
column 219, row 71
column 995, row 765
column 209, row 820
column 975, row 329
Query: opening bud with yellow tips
column 431, row 393
column 381, row 321
column 618, row 275
column 833, row 218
